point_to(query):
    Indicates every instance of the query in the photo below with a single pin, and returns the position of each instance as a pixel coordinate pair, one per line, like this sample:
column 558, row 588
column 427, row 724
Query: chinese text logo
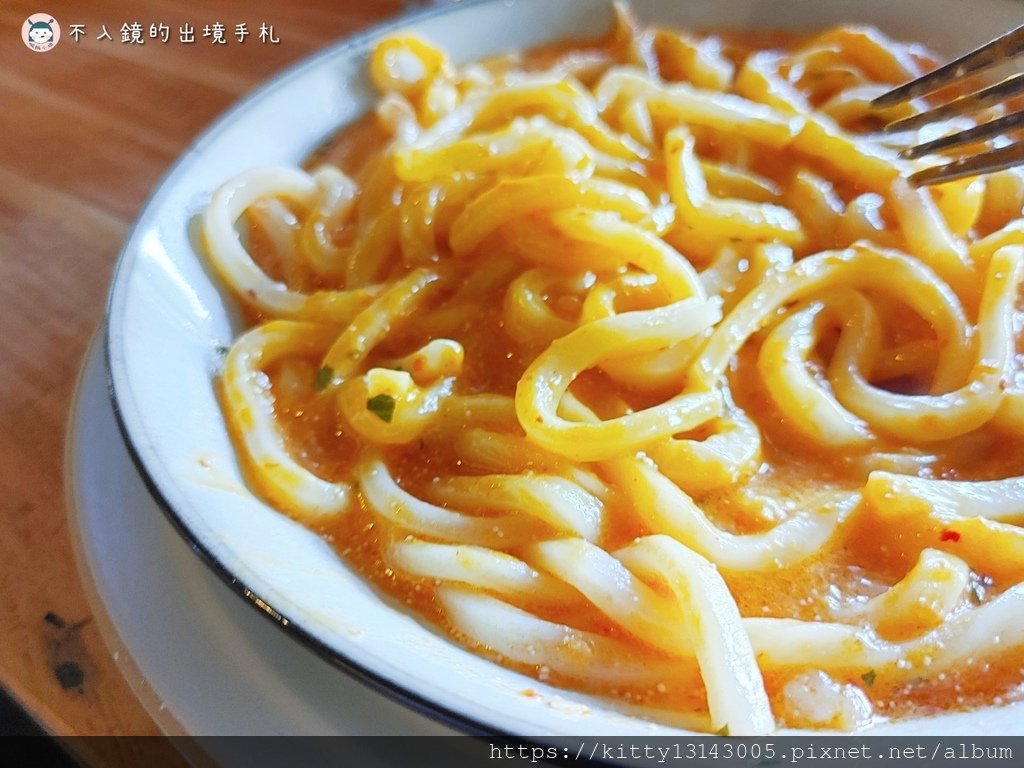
column 40, row 32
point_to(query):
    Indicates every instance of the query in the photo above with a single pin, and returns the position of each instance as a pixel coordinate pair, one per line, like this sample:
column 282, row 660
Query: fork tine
column 1004, row 47
column 987, row 162
column 973, row 135
column 964, row 105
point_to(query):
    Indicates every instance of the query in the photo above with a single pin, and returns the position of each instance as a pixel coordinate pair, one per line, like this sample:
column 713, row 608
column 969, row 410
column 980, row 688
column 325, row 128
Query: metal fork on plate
column 988, row 159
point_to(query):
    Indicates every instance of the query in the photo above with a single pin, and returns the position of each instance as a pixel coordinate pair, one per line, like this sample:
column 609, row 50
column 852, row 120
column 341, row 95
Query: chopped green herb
column 324, row 377
column 723, row 731
column 221, row 350
column 868, row 678
column 382, row 406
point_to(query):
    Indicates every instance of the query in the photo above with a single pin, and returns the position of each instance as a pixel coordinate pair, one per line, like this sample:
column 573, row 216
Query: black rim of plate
column 466, row 723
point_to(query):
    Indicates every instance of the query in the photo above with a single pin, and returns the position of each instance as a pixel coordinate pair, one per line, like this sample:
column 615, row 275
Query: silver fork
column 988, row 56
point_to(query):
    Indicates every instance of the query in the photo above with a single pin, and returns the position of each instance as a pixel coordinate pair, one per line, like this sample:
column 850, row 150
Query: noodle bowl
column 637, row 366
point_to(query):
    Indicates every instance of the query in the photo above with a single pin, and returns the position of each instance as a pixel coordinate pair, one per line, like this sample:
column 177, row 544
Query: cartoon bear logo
column 41, row 32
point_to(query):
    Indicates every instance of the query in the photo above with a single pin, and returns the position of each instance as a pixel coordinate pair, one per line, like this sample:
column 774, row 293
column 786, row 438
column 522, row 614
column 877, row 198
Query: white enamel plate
column 168, row 315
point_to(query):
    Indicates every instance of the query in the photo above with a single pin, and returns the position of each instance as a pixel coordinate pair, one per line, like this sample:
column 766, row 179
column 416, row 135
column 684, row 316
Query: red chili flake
column 417, row 364
column 949, row 536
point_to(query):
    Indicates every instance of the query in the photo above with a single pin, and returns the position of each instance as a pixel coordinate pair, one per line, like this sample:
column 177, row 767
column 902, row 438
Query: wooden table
column 86, row 130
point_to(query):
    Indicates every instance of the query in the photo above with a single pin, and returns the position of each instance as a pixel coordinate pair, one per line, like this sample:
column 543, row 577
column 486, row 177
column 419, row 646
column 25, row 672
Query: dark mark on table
column 69, row 659
column 69, row 675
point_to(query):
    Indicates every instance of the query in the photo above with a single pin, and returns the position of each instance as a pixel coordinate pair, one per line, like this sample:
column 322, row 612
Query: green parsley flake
column 382, row 406
column 221, row 350
column 323, row 378
column 868, row 678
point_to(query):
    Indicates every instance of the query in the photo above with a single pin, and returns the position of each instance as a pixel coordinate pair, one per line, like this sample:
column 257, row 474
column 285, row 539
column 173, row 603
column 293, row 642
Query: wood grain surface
column 86, row 131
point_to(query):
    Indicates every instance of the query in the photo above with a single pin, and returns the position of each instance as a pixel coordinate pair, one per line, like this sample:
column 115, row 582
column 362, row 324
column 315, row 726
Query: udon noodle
column 637, row 365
